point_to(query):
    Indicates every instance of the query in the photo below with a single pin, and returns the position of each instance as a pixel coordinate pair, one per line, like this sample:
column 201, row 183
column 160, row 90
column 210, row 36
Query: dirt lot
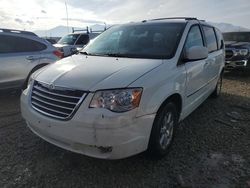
column 211, row 149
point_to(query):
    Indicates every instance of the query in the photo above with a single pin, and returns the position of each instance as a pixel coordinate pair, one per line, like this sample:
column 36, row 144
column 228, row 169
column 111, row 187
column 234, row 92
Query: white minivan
column 129, row 88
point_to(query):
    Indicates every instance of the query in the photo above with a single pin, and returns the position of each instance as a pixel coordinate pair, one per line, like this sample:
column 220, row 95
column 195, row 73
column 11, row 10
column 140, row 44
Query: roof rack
column 170, row 18
column 82, row 30
column 89, row 30
column 17, row 31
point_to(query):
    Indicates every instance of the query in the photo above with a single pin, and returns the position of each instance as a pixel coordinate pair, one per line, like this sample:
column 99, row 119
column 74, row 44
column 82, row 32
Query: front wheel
column 163, row 130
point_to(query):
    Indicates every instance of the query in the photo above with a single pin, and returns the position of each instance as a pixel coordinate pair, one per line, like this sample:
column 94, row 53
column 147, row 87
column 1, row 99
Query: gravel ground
column 211, row 149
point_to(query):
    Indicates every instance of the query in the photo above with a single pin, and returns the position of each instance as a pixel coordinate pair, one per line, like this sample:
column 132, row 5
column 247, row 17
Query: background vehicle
column 129, row 88
column 237, row 50
column 52, row 40
column 21, row 53
column 74, row 42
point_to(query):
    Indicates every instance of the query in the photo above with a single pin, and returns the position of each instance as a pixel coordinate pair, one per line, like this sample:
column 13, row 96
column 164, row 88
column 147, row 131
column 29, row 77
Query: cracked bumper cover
column 93, row 132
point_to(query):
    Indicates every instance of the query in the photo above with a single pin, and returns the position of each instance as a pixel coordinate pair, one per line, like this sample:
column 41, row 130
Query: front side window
column 13, row 44
column 210, row 38
column 219, row 39
column 194, row 38
column 154, row 40
column 69, row 39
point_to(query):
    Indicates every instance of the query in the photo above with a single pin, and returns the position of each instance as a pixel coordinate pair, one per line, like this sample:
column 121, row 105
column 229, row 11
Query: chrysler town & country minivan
column 127, row 90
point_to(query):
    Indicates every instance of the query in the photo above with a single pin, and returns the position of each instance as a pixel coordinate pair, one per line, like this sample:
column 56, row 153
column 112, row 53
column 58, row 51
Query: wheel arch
column 176, row 99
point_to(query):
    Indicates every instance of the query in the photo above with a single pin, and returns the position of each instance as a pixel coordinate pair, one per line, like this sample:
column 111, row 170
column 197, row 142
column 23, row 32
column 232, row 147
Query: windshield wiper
column 116, row 55
column 84, row 53
column 110, row 54
column 91, row 54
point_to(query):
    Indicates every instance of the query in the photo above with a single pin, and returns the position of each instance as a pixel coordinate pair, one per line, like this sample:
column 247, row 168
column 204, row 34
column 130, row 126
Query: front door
column 196, row 71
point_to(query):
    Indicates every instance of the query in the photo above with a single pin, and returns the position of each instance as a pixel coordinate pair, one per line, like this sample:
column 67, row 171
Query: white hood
column 93, row 72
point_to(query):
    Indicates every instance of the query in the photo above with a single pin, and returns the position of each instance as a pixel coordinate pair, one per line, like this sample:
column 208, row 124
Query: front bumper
column 93, row 132
column 237, row 64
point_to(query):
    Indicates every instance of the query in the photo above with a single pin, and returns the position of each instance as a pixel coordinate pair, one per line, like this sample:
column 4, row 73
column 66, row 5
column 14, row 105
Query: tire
column 162, row 132
column 217, row 91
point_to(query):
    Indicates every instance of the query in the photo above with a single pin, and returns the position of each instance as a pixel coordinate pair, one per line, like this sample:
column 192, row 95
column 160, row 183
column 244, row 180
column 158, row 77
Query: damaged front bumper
column 97, row 133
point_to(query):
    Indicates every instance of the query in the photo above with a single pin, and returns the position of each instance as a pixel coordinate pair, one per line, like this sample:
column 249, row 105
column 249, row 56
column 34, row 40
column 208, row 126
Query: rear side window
column 219, row 39
column 210, row 38
column 12, row 44
column 194, row 38
column 83, row 39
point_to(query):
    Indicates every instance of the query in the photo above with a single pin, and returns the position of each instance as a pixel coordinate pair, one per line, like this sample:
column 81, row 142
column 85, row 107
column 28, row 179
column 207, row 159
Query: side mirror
column 73, row 50
column 196, row 53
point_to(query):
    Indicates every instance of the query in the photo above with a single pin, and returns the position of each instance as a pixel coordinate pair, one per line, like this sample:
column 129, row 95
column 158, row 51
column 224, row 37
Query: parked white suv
column 127, row 91
column 22, row 53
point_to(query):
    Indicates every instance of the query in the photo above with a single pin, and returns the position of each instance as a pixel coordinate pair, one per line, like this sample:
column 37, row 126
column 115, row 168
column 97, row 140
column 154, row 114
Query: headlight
column 118, row 100
column 242, row 52
column 30, row 81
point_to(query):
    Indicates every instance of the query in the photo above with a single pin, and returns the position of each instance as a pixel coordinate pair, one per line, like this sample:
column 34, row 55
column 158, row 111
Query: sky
column 46, row 14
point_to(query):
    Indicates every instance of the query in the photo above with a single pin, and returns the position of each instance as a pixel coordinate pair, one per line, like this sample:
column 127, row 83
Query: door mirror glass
column 195, row 53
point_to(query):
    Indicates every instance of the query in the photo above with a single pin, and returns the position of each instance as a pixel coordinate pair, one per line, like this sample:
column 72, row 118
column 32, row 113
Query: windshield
column 157, row 41
column 237, row 36
column 69, row 39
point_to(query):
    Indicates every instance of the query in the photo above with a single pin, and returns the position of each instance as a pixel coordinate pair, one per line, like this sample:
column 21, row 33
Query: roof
column 172, row 19
column 14, row 31
column 169, row 20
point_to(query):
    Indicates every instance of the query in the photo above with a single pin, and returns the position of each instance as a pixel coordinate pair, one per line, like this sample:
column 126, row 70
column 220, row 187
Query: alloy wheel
column 166, row 131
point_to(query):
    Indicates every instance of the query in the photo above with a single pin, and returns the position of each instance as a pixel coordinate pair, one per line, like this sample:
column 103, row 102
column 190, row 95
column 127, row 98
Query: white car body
column 101, row 133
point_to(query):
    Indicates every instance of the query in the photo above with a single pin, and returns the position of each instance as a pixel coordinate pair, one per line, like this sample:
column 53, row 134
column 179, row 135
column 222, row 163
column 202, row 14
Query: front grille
column 229, row 54
column 59, row 103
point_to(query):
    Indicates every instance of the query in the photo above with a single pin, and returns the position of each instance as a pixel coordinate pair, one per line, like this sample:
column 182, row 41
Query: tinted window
column 138, row 41
column 69, row 39
column 194, row 38
column 11, row 44
column 219, row 39
column 210, row 38
column 83, row 40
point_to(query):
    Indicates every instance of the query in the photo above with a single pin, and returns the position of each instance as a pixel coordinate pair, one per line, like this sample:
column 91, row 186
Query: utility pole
column 67, row 16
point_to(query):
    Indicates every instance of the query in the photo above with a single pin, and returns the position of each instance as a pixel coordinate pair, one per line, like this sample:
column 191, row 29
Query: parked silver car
column 22, row 53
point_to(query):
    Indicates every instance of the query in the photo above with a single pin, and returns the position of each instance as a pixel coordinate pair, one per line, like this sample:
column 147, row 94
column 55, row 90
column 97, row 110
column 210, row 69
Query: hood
column 235, row 44
column 91, row 73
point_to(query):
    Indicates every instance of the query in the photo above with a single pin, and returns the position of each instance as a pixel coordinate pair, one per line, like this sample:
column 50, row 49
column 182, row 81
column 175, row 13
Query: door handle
column 31, row 58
